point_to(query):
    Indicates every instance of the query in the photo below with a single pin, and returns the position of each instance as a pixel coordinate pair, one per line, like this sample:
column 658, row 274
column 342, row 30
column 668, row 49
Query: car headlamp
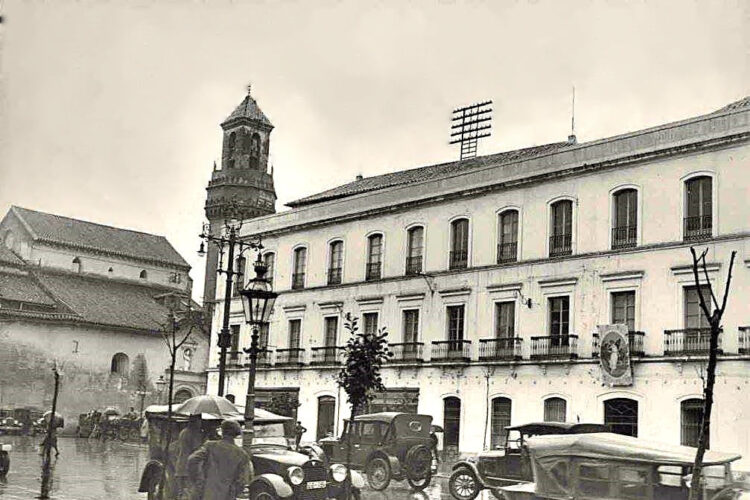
column 338, row 472
column 296, row 475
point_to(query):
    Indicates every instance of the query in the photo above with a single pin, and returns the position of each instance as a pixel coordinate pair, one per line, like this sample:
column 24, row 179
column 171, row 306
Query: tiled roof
column 8, row 257
column 426, row 173
column 736, row 105
column 23, row 288
column 249, row 109
column 88, row 235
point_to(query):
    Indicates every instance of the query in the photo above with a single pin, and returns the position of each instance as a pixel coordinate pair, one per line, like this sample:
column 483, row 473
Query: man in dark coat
column 221, row 469
column 190, row 439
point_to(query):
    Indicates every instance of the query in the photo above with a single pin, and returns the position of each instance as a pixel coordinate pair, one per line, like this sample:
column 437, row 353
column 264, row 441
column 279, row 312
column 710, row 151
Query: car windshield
column 270, row 434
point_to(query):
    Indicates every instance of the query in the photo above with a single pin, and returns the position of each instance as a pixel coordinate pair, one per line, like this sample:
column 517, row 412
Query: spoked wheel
column 378, row 472
column 420, row 484
column 463, row 484
column 261, row 492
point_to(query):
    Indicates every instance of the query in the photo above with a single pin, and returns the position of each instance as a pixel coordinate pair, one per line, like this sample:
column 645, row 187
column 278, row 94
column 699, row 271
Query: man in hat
column 221, row 469
column 189, row 440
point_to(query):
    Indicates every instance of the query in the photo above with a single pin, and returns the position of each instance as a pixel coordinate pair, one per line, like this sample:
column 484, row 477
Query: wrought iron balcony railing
column 560, row 244
column 334, row 276
column 235, row 358
column 635, row 343
column 298, row 281
column 407, row 351
column 743, row 340
column 500, row 349
column 328, row 355
column 373, row 271
column 451, row 350
column 413, row 265
column 624, row 236
column 688, row 342
column 698, row 228
column 459, row 259
column 554, row 347
column 507, row 252
column 290, row 357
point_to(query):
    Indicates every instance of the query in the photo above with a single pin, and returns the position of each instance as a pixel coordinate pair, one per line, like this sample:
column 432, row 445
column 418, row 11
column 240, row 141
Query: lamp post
column 230, row 238
column 257, row 302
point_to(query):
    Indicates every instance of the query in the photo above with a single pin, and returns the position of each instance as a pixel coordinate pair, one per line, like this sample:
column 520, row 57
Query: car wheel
column 262, row 492
column 378, row 472
column 463, row 484
column 420, row 484
column 418, row 462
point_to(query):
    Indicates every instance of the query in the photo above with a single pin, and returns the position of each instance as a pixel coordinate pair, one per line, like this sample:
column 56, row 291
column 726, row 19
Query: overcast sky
column 111, row 110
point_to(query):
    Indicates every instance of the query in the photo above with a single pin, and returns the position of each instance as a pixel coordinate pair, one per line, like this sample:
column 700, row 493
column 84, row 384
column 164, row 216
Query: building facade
column 491, row 276
column 93, row 299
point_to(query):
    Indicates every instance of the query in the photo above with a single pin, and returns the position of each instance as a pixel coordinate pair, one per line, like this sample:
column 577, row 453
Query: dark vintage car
column 501, row 467
column 386, row 446
column 10, row 426
column 616, row 467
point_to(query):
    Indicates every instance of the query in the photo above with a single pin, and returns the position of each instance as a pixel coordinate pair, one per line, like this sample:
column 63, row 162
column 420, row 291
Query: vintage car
column 10, row 426
column 5, row 450
column 494, row 468
column 386, row 446
column 615, row 467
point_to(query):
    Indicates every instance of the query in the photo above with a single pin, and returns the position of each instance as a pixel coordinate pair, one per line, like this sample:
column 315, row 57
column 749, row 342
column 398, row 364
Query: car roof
column 618, row 447
column 384, row 416
column 558, row 428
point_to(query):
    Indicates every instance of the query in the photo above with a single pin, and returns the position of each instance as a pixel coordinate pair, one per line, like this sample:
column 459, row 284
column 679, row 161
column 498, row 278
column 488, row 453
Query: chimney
column 572, row 139
column 359, row 177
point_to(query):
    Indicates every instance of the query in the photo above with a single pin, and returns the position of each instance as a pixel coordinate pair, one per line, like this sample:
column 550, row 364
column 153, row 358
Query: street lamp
column 232, row 239
column 160, row 385
column 257, row 302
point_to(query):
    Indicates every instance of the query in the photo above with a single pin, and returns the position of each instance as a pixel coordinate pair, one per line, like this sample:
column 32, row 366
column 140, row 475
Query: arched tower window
column 76, row 265
column 143, row 275
column 255, row 151
column 120, row 364
column 231, row 143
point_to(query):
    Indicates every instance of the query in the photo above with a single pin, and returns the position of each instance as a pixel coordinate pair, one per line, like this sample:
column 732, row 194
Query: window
column 263, row 336
column 374, row 257
column 239, row 278
column 459, row 253
column 411, row 325
column 694, row 316
column 331, row 330
column 269, row 260
column 561, row 228
column 415, row 250
column 295, row 329
column 507, row 246
column 555, row 409
column 559, row 324
column 370, row 321
column 234, row 342
column 623, row 309
column 76, row 266
column 300, row 264
column 621, row 414
column 335, row 259
column 500, row 420
column 698, row 208
column 505, row 320
column 451, row 422
column 231, row 143
column 143, row 275
column 691, row 419
column 455, row 317
column 625, row 220
column 326, row 416
column 120, row 364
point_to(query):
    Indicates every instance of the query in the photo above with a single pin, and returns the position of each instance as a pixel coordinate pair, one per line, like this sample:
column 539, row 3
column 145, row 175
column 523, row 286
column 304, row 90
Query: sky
column 110, row 111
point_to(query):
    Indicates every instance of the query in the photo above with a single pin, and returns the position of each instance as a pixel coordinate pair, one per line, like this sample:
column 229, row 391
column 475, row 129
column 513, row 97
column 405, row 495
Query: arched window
column 621, row 414
column 625, row 218
column 507, row 232
column 451, row 422
column 77, row 267
column 231, row 143
column 335, row 262
column 561, row 228
column 500, row 420
column 300, row 265
column 120, row 364
column 255, row 151
column 415, row 250
column 555, row 410
column 691, row 419
column 326, row 417
column 181, row 396
column 459, row 253
column 698, row 222
column 269, row 259
column 374, row 257
column 143, row 275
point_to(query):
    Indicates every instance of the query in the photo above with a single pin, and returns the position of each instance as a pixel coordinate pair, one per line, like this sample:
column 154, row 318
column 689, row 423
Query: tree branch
column 696, row 259
column 710, row 288
column 726, row 288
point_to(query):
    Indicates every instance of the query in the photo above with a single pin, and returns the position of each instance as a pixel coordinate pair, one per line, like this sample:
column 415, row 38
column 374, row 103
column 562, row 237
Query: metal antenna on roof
column 470, row 124
column 572, row 136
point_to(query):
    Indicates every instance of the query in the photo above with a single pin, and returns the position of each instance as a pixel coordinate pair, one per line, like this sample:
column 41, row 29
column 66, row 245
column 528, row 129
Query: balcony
column 743, row 340
column 507, row 252
column 500, row 349
column 560, row 244
column 298, row 281
column 688, row 342
column 413, row 265
column 240, row 359
column 334, row 276
column 373, row 271
column 451, row 350
column 407, row 352
column 329, row 355
column 459, row 259
column 554, row 347
column 624, row 236
column 235, row 358
column 290, row 357
column 635, row 343
column 698, row 228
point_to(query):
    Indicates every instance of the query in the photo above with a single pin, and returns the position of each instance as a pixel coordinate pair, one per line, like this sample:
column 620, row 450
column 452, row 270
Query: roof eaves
column 17, row 212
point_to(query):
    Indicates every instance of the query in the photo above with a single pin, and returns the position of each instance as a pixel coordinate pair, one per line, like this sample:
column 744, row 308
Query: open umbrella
column 59, row 421
column 111, row 411
column 208, row 405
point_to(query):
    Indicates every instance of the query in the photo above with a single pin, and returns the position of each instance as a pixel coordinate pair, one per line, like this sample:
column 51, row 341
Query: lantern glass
column 258, row 298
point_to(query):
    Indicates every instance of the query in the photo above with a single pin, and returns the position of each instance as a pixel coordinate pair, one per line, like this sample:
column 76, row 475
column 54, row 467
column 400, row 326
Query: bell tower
column 243, row 179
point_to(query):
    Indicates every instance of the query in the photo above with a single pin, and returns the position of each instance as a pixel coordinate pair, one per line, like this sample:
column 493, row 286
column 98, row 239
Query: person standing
column 220, row 469
column 299, row 430
column 189, row 440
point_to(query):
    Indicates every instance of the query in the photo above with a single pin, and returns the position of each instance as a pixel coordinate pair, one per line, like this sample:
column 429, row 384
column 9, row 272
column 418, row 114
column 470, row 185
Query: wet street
column 92, row 470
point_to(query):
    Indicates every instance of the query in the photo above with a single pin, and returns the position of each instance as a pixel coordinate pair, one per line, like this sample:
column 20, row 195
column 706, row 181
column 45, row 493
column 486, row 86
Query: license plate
column 316, row 485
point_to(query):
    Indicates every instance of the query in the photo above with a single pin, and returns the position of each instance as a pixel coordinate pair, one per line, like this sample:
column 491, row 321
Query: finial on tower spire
column 249, row 88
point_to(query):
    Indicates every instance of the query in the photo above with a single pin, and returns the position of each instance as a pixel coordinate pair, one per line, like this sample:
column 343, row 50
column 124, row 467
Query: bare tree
column 714, row 321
